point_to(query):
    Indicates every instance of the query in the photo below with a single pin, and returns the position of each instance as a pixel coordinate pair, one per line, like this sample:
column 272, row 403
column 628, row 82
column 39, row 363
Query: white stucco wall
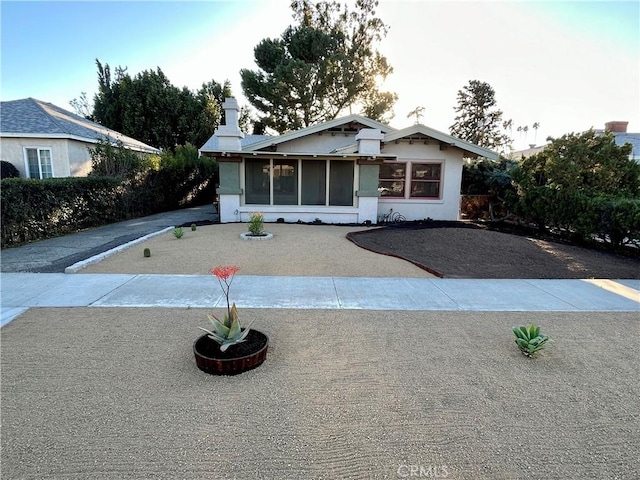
column 69, row 157
column 446, row 207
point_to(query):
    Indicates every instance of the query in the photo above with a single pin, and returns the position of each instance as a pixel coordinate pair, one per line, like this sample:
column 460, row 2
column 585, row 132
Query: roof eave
column 320, row 127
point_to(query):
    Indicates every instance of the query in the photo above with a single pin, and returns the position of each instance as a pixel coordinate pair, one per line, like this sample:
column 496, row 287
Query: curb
column 101, row 256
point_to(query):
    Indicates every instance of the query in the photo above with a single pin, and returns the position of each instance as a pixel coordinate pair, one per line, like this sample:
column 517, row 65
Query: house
column 42, row 140
column 619, row 131
column 347, row 170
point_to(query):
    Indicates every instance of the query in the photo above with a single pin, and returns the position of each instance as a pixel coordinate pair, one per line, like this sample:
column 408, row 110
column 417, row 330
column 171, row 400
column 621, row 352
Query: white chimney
column 369, row 141
column 229, row 134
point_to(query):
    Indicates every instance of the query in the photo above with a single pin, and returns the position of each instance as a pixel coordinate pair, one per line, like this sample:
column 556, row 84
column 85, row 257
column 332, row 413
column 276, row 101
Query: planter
column 250, row 236
column 237, row 359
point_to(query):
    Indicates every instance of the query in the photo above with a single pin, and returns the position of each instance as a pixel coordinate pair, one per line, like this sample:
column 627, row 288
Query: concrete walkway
column 21, row 288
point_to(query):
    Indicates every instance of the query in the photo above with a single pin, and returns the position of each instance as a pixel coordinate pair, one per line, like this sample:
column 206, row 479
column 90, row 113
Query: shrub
column 178, row 232
column 256, row 223
column 8, row 170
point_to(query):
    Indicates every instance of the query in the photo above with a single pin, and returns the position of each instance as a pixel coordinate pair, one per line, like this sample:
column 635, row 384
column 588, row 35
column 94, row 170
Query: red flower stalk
column 225, row 275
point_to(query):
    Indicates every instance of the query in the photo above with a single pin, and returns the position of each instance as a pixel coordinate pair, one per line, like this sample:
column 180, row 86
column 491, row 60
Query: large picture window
column 392, row 179
column 425, row 180
column 276, row 181
column 39, row 162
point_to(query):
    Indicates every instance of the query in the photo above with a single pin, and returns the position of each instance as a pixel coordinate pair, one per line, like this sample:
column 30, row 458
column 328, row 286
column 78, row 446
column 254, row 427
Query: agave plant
column 529, row 339
column 228, row 331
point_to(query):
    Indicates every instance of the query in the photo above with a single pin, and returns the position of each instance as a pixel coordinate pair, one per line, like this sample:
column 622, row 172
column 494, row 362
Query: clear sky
column 569, row 66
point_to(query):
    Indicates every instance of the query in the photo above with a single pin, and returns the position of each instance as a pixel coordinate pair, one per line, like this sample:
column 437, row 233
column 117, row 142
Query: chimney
column 617, row 127
column 229, row 134
column 369, row 141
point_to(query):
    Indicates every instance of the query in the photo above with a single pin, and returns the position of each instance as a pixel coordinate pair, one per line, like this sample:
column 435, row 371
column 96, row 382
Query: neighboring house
column 348, row 170
column 43, row 140
column 617, row 128
column 619, row 131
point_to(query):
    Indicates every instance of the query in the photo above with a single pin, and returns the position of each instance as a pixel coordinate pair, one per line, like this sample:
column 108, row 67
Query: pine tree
column 479, row 120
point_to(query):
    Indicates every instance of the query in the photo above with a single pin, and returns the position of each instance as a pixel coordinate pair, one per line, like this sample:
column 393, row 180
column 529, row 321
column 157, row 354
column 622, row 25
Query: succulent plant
column 193, row 227
column 146, row 252
column 529, row 339
column 228, row 331
column 178, row 232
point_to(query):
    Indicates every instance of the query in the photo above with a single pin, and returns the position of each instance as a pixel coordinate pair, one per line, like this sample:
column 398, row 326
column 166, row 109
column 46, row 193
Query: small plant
column 228, row 331
column 147, row 253
column 529, row 339
column 256, row 224
column 178, row 232
column 193, row 227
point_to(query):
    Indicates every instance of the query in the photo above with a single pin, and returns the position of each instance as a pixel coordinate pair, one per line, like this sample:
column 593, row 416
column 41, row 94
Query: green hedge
column 37, row 209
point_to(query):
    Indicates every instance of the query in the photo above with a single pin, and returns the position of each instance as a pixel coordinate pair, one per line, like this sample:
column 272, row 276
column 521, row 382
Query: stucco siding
column 13, row 152
column 447, row 206
column 79, row 158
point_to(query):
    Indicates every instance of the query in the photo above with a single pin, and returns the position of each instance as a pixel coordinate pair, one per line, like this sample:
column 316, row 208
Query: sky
column 568, row 66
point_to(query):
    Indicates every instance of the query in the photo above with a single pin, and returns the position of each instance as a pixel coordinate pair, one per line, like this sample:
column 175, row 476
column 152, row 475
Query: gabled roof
column 36, row 119
column 320, row 127
column 441, row 137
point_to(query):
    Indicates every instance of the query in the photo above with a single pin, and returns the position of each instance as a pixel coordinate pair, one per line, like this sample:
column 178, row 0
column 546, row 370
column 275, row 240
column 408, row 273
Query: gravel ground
column 294, row 250
column 114, row 393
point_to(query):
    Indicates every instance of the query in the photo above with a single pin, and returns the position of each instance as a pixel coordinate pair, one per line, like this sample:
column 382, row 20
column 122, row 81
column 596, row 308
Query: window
column 257, row 181
column 276, row 181
column 340, row 183
column 285, row 182
column 39, row 162
column 392, row 179
column 314, row 182
column 425, row 180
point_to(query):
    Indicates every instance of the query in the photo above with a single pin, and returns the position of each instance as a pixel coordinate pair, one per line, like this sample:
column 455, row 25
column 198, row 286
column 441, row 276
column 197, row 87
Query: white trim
column 26, row 161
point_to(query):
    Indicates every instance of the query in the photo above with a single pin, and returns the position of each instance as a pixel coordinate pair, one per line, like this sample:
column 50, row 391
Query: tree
column 81, row 106
column 321, row 66
column 478, row 120
column 417, row 112
column 579, row 184
column 149, row 108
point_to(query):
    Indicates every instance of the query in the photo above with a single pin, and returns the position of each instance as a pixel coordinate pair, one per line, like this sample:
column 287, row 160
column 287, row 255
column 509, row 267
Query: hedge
column 37, row 209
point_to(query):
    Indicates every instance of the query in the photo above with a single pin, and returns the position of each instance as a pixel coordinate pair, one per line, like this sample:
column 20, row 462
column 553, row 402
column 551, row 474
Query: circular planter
column 250, row 236
column 236, row 359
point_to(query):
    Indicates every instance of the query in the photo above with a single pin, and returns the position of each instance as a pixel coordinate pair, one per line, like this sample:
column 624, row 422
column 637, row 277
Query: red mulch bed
column 468, row 250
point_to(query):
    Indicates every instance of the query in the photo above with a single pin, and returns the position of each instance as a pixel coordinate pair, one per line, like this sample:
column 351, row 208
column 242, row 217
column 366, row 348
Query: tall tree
column 479, row 120
column 149, row 108
column 320, row 67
